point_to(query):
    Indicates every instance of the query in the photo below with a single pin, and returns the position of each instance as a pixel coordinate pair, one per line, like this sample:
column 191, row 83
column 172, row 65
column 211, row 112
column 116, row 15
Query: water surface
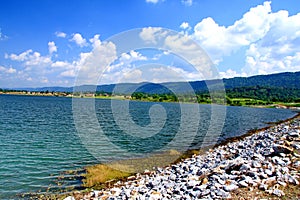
column 38, row 138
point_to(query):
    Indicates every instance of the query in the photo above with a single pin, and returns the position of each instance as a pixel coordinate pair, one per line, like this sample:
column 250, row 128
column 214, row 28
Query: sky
column 66, row 43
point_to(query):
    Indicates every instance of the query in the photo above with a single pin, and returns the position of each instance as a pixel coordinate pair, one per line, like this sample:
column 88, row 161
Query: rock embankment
column 268, row 160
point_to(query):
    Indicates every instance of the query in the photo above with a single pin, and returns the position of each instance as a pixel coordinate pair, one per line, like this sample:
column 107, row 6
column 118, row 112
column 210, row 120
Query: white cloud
column 152, row 34
column 185, row 25
column 231, row 73
column 153, row 1
column 92, row 64
column 35, row 59
column 69, row 73
column 132, row 76
column 2, row 36
column 181, row 45
column 61, row 64
column 79, row 40
column 132, row 56
column 60, row 34
column 8, row 70
column 21, row 57
column 52, row 47
column 30, row 58
column 278, row 50
column 221, row 41
column 170, row 73
column 187, row 2
column 126, row 60
column 271, row 40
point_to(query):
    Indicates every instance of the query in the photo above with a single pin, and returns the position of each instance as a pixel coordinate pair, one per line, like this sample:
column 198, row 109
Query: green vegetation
column 244, row 96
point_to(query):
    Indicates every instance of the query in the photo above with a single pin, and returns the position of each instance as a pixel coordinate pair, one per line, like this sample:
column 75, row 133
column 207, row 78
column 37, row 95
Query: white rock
column 293, row 134
column 69, row 198
column 230, row 187
column 278, row 192
column 243, row 183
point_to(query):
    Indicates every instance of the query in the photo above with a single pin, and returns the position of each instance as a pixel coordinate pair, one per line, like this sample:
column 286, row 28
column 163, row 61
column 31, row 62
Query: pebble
column 265, row 160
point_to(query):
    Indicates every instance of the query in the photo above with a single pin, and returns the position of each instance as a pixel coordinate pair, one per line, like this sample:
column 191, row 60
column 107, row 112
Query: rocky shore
column 268, row 161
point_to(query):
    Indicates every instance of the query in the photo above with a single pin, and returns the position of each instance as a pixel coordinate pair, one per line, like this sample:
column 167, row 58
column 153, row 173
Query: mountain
column 287, row 80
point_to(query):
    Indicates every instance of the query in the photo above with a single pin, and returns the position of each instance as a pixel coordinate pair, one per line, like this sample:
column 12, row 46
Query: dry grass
column 103, row 175
column 291, row 192
column 99, row 175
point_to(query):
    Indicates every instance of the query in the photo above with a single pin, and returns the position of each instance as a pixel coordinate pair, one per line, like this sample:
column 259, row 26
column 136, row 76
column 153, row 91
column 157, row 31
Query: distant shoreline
column 279, row 105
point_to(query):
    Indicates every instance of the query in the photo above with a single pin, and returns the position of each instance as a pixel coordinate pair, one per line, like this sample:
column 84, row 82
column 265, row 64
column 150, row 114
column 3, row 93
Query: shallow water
column 39, row 139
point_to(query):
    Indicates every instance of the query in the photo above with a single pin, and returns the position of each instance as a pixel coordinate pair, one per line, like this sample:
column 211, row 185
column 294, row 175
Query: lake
column 41, row 137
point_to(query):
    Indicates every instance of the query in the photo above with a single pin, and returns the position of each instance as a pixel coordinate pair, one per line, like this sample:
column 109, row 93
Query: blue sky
column 50, row 42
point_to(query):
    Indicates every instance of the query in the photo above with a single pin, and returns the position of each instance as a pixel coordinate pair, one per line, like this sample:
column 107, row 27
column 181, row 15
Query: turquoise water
column 38, row 137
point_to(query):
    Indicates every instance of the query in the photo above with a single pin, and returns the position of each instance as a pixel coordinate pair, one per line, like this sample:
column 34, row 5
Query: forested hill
column 287, row 80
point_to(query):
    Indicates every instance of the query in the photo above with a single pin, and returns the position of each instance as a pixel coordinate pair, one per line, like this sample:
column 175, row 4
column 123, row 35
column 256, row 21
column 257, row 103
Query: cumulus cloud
column 181, row 45
column 79, row 40
column 21, row 57
column 60, row 34
column 152, row 34
column 52, row 47
column 36, row 59
column 271, row 40
column 91, row 65
column 221, row 41
column 30, row 58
